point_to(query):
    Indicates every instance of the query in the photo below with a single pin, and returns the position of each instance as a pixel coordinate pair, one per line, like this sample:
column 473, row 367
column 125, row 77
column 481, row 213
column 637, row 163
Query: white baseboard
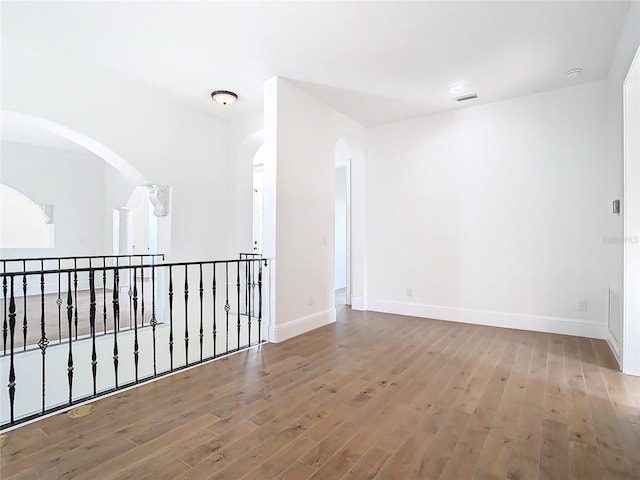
column 359, row 303
column 614, row 346
column 280, row 333
column 536, row 323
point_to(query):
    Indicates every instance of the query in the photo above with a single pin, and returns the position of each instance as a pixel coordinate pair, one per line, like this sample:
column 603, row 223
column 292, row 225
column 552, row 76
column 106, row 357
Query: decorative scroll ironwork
column 88, row 329
column 44, row 341
column 104, row 294
column 4, row 296
column 136, row 346
column 116, row 322
column 153, row 322
column 24, row 298
column 75, row 293
column 92, row 324
column 215, row 327
column 186, row 315
column 171, row 316
column 201, row 313
column 70, row 323
column 227, row 307
column 12, row 370
column 238, row 295
column 59, row 302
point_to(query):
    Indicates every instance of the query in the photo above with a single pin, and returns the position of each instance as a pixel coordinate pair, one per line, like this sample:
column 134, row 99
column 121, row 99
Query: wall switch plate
column 616, row 207
column 409, row 292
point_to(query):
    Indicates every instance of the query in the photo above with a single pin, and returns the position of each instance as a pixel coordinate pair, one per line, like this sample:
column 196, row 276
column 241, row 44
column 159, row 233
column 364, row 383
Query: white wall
column 341, row 228
column 170, row 144
column 299, row 175
column 494, row 214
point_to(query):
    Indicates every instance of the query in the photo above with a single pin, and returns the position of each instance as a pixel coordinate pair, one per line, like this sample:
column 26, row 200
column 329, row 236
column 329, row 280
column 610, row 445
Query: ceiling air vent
column 470, row 96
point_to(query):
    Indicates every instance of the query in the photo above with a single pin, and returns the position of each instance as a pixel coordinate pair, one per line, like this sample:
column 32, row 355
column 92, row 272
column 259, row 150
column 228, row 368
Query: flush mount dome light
column 224, row 97
column 574, row 72
column 457, row 88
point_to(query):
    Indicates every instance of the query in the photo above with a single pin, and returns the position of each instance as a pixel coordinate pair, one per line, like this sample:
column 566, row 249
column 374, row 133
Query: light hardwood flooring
column 372, row 396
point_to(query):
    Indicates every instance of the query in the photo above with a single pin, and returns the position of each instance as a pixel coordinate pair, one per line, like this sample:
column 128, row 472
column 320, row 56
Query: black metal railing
column 207, row 320
column 30, row 292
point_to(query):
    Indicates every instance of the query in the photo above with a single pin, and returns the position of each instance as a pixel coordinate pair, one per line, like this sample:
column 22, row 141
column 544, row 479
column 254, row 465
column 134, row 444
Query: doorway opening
column 258, row 196
column 342, row 224
column 631, row 211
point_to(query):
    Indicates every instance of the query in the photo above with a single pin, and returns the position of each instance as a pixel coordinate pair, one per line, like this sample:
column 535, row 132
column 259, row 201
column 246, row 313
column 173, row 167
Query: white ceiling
column 376, row 61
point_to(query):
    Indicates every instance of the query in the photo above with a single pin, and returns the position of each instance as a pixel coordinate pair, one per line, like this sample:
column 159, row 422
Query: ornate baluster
column 171, row 316
column 92, row 324
column 249, row 266
column 104, row 293
column 12, row 370
column 213, row 288
column 24, row 297
column 238, row 294
column 70, row 323
column 201, row 313
column 227, row 307
column 130, row 292
column 59, row 302
column 44, row 341
column 142, row 289
column 153, row 322
column 135, row 322
column 4, row 295
column 75, row 292
column 116, row 321
column 260, row 300
column 186, row 316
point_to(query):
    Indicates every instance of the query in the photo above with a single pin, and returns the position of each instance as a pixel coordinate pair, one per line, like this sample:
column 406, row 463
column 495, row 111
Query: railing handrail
column 84, row 257
column 126, row 267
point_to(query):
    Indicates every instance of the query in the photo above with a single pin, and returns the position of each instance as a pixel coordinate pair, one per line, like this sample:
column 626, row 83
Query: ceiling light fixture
column 457, row 88
column 224, row 97
column 574, row 72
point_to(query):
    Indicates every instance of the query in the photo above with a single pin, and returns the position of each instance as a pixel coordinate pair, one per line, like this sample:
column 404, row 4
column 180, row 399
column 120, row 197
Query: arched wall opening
column 23, row 223
column 249, row 194
column 88, row 185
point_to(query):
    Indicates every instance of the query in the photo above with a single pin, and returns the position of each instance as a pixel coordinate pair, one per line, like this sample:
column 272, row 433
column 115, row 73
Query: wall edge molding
column 518, row 321
column 296, row 327
column 358, row 303
column 614, row 346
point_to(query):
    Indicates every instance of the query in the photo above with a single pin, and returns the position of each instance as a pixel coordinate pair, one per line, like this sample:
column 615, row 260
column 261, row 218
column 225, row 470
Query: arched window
column 23, row 224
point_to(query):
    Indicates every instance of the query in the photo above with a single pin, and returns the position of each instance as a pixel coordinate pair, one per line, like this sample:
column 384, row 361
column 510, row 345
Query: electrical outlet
column 582, row 305
column 409, row 292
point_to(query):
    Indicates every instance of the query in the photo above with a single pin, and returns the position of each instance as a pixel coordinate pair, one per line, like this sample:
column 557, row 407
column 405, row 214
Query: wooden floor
column 373, row 396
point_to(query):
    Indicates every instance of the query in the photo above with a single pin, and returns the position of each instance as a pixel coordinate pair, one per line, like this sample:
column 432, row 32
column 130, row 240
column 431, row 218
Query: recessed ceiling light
column 457, row 88
column 574, row 72
column 224, row 97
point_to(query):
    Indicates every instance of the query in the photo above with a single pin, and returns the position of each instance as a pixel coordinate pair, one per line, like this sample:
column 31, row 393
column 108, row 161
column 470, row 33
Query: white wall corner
column 614, row 346
column 280, row 333
column 518, row 321
column 359, row 303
